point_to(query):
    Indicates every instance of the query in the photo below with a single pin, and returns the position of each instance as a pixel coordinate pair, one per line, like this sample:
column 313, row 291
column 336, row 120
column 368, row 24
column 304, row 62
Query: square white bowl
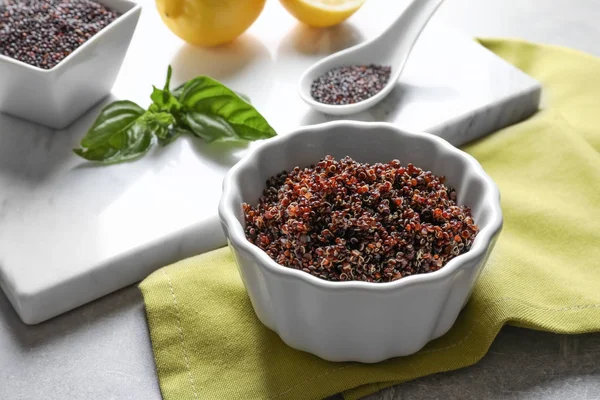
column 56, row 97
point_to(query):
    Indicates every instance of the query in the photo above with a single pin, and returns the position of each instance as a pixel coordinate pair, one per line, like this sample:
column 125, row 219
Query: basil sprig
column 202, row 107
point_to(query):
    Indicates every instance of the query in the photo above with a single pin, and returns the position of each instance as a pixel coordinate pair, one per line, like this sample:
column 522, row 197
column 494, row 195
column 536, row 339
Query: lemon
column 322, row 13
column 209, row 22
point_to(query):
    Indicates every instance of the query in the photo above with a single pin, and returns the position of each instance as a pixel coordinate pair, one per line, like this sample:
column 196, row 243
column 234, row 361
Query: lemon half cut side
column 322, row 13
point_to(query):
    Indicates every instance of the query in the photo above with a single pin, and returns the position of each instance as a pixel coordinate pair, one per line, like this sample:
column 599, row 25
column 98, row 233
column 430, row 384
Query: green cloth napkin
column 544, row 273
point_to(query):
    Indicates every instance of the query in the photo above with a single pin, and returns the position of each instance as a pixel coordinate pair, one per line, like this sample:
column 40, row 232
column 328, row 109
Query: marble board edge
column 123, row 270
column 133, row 266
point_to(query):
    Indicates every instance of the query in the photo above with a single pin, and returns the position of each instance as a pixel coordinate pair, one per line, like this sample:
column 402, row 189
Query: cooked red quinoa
column 343, row 220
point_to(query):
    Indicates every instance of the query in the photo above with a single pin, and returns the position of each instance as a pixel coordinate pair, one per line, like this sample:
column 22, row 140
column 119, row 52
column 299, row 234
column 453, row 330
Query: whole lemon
column 209, row 22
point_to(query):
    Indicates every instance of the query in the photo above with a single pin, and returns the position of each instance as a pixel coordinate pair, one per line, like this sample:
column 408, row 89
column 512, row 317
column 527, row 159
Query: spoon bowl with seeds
column 358, row 78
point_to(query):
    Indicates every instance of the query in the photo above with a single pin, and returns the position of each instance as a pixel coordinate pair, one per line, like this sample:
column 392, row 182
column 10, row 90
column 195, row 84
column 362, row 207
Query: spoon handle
column 403, row 33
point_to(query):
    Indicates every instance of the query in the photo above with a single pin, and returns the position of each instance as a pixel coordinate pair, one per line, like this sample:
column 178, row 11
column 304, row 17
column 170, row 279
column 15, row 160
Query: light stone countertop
column 101, row 350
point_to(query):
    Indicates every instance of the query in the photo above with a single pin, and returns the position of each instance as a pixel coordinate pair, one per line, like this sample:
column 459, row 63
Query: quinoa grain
column 348, row 85
column 343, row 220
column 43, row 32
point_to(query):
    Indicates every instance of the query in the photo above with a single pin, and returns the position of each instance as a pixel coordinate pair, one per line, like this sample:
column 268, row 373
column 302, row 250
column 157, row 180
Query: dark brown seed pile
column 43, row 32
column 348, row 85
column 343, row 220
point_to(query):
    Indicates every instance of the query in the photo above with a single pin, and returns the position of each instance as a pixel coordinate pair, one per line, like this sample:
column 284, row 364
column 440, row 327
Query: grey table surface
column 102, row 350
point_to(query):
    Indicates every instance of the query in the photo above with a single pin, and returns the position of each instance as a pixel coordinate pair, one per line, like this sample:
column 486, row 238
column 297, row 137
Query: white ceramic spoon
column 391, row 48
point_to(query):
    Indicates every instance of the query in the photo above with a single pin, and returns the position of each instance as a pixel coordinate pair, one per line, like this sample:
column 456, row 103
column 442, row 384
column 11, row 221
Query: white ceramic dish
column 56, row 97
column 358, row 321
column 392, row 48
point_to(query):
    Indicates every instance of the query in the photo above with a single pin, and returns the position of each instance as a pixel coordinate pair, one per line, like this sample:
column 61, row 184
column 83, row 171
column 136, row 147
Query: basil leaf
column 168, row 82
column 159, row 120
column 163, row 100
column 203, row 107
column 99, row 153
column 115, row 117
column 159, row 123
column 171, row 134
column 127, row 144
column 207, row 96
column 209, row 127
column 178, row 91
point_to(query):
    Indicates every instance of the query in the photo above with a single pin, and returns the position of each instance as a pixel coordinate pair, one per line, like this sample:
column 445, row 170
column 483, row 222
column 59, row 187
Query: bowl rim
column 236, row 235
column 133, row 8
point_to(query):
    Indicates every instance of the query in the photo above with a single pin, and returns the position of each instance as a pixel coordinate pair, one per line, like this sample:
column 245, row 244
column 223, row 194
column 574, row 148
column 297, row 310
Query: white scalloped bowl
column 358, row 321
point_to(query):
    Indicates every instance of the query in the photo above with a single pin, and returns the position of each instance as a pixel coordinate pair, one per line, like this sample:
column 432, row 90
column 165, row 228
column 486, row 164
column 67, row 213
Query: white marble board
column 71, row 232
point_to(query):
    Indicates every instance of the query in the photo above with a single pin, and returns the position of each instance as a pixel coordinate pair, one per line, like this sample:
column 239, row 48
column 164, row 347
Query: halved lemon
column 322, row 13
